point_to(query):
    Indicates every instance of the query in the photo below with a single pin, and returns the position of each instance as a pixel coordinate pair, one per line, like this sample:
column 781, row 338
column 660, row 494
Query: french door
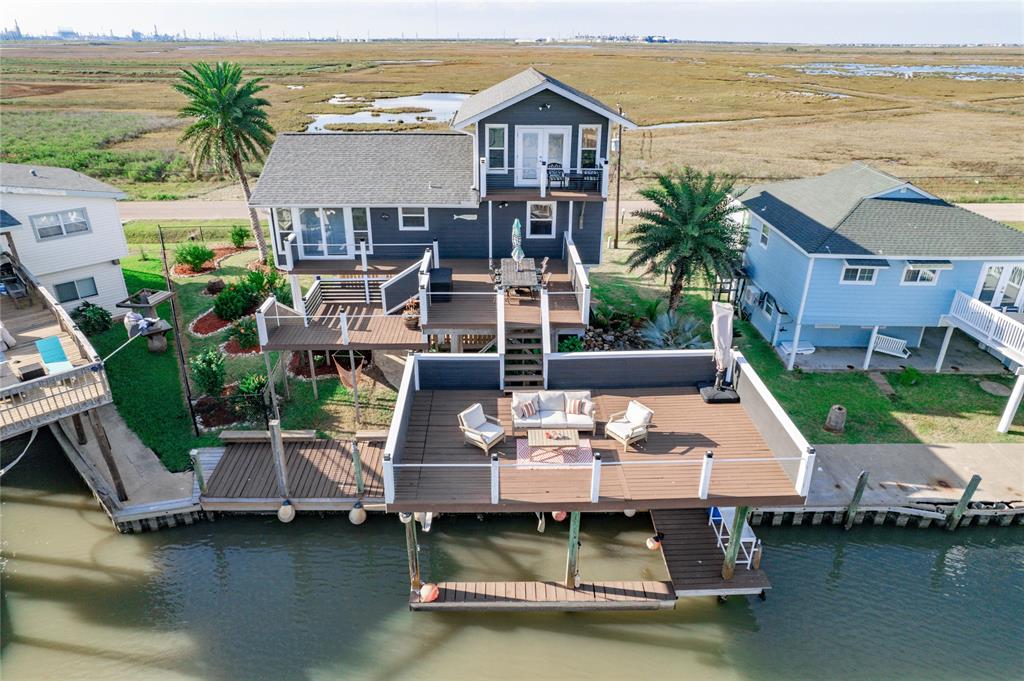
column 539, row 143
column 1002, row 285
column 325, row 232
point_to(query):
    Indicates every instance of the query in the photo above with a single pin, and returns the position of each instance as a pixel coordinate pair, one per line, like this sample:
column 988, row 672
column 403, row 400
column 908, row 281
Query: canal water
column 250, row 598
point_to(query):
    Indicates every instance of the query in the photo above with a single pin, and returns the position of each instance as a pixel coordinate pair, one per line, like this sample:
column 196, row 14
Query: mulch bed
column 214, row 413
column 233, row 348
column 219, row 254
column 299, row 368
column 207, row 324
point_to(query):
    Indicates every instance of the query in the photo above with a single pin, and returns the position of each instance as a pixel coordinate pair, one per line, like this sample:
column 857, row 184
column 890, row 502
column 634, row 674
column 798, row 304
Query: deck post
column 412, row 549
column 803, row 476
column 871, row 348
column 270, row 384
column 858, row 492
column 490, row 233
column 285, row 358
column 705, row 475
column 357, row 467
column 277, row 449
column 572, row 564
column 945, row 346
column 735, row 536
column 76, row 419
column 495, row 479
column 436, row 252
column 355, row 384
column 197, row 467
column 1012, row 403
column 953, row 519
column 298, row 302
column 108, row 455
column 595, row 478
column 389, row 480
column 312, row 374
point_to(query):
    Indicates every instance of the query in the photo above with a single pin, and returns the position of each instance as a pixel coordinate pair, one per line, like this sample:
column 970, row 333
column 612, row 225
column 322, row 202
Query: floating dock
column 549, row 596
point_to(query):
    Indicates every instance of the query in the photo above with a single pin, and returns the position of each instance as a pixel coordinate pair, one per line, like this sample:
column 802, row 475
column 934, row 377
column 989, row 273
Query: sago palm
column 230, row 126
column 690, row 233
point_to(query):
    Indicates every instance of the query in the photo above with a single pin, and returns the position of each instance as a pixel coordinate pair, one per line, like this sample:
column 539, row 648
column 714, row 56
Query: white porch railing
column 578, row 278
column 500, row 328
column 572, row 178
column 988, row 325
column 410, row 271
column 545, row 330
column 424, row 285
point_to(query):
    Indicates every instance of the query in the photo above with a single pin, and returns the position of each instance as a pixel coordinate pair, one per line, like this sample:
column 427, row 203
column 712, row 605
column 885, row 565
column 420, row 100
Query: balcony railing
column 545, row 177
column 995, row 329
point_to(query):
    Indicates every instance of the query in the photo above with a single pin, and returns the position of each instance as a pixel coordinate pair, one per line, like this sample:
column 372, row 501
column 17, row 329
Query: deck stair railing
column 389, row 299
column 578, row 278
column 426, row 264
column 988, row 325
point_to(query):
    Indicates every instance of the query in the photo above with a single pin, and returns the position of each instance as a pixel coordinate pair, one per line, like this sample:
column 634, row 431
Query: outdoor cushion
column 473, row 417
column 579, row 421
column 519, row 398
column 576, row 395
column 575, row 406
column 525, row 410
column 638, row 414
column 486, row 433
column 551, row 400
column 59, row 367
column 622, row 429
column 50, row 350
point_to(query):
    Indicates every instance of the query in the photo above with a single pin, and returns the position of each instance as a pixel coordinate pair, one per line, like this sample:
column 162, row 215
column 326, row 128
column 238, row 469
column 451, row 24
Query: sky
column 807, row 21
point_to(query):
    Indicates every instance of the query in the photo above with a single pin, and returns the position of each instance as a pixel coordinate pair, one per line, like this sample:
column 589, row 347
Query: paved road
column 197, row 209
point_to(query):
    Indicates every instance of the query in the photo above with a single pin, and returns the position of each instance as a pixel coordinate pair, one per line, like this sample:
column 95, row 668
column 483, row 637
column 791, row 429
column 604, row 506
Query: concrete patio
column 963, row 357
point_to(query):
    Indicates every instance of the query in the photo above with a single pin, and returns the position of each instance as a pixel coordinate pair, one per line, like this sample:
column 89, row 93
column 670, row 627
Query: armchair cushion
column 473, row 417
column 638, row 414
column 485, row 433
column 624, row 430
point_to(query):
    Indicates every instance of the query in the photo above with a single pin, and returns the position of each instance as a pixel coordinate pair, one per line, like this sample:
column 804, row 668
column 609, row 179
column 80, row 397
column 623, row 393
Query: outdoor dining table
column 523, row 276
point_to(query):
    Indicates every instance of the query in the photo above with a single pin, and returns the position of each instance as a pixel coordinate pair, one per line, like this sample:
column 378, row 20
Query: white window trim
column 844, row 282
column 911, row 268
column 78, row 296
column 579, row 144
column 63, row 233
column 554, row 220
column 764, row 236
column 401, row 219
column 487, row 148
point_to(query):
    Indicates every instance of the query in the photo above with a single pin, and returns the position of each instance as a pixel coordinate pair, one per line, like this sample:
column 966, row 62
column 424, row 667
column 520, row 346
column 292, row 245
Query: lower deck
column 548, row 596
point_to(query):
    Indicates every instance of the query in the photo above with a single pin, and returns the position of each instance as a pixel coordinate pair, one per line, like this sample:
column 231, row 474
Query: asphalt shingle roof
column 509, row 88
column 376, row 169
column 831, row 214
column 47, row 179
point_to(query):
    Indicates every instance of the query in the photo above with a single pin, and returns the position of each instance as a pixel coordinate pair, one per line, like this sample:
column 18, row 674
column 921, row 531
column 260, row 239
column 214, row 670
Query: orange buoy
column 429, row 593
column 654, row 543
column 559, row 516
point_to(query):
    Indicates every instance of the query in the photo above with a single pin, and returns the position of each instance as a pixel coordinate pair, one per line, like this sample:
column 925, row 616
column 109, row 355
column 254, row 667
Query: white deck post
column 871, row 348
column 343, row 325
column 366, row 276
column 500, row 329
column 604, row 177
column 389, row 480
column 542, row 175
column 277, row 448
column 705, row 475
column 437, row 253
column 545, row 328
column 483, row 176
column 297, row 300
column 803, row 476
column 595, row 479
column 945, row 346
column 490, row 234
column 1013, row 403
column 791, row 360
column 495, row 483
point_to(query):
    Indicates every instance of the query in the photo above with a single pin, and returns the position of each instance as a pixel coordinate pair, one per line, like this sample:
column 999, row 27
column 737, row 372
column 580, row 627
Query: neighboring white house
column 68, row 232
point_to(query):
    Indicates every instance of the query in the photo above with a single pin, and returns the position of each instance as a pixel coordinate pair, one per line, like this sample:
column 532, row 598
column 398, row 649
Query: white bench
column 721, row 519
column 891, row 346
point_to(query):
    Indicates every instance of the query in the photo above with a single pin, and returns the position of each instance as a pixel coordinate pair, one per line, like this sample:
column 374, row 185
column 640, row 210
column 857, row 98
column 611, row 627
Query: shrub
column 208, row 371
column 244, row 331
column 249, row 403
column 91, row 319
column 238, row 235
column 193, row 256
column 235, row 301
column 570, row 344
column 671, row 330
column 908, row 377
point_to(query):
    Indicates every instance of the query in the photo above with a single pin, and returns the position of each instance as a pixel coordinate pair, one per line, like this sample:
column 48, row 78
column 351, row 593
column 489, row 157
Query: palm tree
column 690, row 233
column 230, row 124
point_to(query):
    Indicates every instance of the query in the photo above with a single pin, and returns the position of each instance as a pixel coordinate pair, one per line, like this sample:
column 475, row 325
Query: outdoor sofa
column 551, row 410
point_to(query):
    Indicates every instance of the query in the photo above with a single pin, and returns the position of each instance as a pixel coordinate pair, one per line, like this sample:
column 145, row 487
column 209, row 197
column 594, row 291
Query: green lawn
column 144, row 232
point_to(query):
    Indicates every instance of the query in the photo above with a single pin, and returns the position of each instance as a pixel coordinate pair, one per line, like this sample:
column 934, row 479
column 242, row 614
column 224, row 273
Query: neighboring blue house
column 859, row 258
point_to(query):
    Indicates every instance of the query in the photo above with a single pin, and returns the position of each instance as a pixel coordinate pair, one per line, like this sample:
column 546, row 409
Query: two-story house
column 859, row 258
column 65, row 229
column 381, row 218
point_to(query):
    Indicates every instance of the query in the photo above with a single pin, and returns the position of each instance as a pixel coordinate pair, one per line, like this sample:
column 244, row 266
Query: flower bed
column 299, row 368
column 233, row 348
column 219, row 254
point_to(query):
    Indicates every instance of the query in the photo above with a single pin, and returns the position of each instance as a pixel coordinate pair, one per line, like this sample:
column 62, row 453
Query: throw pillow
column 527, row 409
column 581, row 407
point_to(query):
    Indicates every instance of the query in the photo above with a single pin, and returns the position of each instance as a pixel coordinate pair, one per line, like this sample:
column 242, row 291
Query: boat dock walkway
column 548, row 596
column 694, row 560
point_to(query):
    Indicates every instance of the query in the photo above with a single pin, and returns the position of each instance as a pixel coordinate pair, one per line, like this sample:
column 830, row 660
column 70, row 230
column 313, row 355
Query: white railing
column 269, row 305
column 403, row 404
column 424, row 285
column 578, row 278
column 545, row 329
column 411, row 270
column 500, row 328
column 995, row 329
column 289, row 260
column 573, row 178
column 36, row 402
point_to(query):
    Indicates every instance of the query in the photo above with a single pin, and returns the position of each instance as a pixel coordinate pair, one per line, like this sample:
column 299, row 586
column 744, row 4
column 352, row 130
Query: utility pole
column 177, row 333
column 618, row 180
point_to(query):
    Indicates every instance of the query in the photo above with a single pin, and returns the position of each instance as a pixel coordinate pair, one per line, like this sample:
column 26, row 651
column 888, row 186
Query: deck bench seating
column 551, row 410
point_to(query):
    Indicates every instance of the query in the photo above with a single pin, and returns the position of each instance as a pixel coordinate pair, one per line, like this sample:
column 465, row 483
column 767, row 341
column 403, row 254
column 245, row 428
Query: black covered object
column 712, row 395
column 440, row 283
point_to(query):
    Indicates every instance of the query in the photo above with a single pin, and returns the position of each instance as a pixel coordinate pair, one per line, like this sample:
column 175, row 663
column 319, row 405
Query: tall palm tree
column 230, row 124
column 690, row 233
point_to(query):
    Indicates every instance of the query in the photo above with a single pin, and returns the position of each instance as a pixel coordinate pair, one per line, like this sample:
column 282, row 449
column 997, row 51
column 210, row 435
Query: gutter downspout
column 800, row 316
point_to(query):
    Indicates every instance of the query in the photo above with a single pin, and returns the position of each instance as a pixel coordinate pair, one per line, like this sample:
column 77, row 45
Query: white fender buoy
column 429, row 593
column 286, row 513
column 629, row 512
column 559, row 516
column 654, row 543
column 405, row 517
column 357, row 516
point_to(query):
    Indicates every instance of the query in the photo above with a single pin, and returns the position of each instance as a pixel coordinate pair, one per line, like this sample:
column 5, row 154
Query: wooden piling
column 357, row 467
column 733, row 549
column 79, row 428
column 108, row 455
column 412, row 549
column 277, row 448
column 858, row 492
column 957, row 514
column 197, row 467
column 572, row 564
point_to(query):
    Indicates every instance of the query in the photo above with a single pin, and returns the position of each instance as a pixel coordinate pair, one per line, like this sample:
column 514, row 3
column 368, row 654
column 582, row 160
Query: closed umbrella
column 517, row 243
column 721, row 335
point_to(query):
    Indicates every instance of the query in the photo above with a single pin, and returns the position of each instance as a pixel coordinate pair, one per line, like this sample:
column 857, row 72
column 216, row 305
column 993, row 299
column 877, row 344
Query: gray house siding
column 456, row 238
column 586, row 233
column 531, row 111
column 452, row 374
column 591, row 370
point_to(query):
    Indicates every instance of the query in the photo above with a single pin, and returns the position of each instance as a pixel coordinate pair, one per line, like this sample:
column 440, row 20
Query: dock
column 548, row 596
column 694, row 561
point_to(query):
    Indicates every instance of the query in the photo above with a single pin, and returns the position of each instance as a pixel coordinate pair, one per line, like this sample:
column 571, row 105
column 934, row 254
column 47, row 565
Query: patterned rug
column 553, row 456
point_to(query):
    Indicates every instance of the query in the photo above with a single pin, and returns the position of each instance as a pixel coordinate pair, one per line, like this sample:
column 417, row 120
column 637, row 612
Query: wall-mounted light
column 385, row 216
column 503, row 204
column 543, row 106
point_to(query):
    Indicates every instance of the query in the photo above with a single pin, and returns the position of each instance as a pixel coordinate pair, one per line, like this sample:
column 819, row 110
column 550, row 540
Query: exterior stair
column 524, row 358
column 350, row 292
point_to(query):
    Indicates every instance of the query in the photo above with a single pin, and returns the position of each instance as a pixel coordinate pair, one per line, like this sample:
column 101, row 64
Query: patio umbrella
column 721, row 335
column 517, row 243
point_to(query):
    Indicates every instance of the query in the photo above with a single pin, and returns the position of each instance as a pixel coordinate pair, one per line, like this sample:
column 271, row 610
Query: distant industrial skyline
column 799, row 21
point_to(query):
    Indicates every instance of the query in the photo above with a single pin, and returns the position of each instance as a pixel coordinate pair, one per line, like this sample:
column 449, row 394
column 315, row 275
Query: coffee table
column 552, row 437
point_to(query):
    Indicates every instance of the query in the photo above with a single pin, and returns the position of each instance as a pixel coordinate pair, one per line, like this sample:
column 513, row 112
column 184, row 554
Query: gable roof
column 17, row 178
column 520, row 86
column 834, row 214
column 370, row 169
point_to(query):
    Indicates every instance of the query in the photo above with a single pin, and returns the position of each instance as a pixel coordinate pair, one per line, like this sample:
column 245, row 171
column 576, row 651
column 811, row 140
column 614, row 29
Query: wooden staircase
column 350, row 292
column 524, row 358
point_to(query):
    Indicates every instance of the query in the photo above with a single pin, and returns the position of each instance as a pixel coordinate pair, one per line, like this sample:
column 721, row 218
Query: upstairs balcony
column 37, row 386
column 550, row 181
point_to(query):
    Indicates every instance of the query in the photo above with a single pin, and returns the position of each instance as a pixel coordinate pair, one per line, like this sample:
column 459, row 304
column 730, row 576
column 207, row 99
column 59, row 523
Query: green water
column 249, row 598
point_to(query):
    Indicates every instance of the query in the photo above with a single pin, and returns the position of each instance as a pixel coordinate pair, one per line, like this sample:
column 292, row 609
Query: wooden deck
column 368, row 329
column 684, row 428
column 31, row 322
column 694, row 561
column 320, row 474
column 533, row 194
column 548, row 596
